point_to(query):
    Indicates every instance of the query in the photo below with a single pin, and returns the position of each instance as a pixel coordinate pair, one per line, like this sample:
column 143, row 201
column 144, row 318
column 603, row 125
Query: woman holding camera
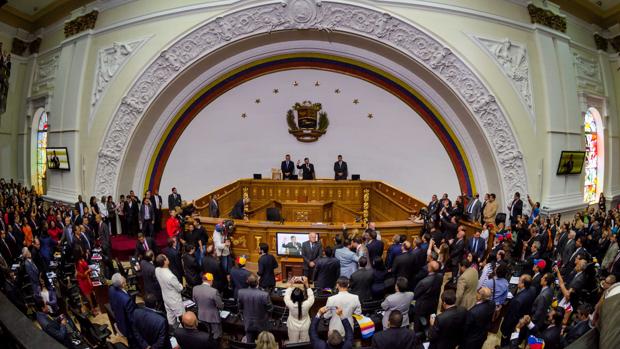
column 298, row 306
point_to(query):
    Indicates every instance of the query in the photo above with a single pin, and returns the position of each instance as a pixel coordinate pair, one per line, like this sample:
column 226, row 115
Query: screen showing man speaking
column 289, row 244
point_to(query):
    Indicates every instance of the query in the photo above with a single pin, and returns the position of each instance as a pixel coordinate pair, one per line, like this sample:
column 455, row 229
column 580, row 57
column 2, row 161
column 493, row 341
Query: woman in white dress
column 298, row 306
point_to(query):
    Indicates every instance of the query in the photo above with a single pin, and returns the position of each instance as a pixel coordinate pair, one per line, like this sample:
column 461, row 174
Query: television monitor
column 289, row 244
column 57, row 158
column 571, row 162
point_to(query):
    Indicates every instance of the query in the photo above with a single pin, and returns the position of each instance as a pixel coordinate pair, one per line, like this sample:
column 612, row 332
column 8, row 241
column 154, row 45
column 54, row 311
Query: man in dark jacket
column 191, row 269
column 361, row 281
column 519, row 306
column 189, row 337
column 151, row 285
column 334, row 338
column 123, row 307
column 239, row 276
column 327, row 270
column 375, row 247
column 256, row 307
column 426, row 295
column 267, row 265
column 150, row 326
column 311, row 250
column 173, row 256
column 479, row 320
column 447, row 330
column 395, row 336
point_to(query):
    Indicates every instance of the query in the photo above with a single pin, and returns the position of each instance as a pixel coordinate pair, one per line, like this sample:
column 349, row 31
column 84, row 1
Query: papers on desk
column 426, row 345
column 514, row 280
column 188, row 303
column 224, row 314
column 510, row 295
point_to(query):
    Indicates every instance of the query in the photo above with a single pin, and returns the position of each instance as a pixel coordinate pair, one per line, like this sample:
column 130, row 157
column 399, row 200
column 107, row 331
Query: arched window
column 593, row 163
column 41, row 152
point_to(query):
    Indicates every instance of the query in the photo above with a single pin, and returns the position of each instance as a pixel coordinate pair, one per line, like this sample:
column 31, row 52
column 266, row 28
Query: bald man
column 189, row 337
column 426, row 295
column 478, row 320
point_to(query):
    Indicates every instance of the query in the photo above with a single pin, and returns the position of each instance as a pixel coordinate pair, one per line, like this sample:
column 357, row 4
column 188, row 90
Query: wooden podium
column 290, row 267
column 312, row 211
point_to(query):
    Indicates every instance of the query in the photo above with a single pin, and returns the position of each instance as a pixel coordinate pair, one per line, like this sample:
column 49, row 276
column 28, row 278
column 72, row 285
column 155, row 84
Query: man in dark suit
column 157, row 202
column 426, row 295
column 477, row 245
column 479, row 320
column 361, row 281
column 543, row 301
column 515, row 208
column 174, row 199
column 238, row 211
column 327, row 270
column 150, row 326
column 147, row 216
column 143, row 245
column 405, row 265
column 80, row 205
column 311, row 250
column 395, row 336
column 239, row 276
column 104, row 236
column 375, row 247
column 457, row 249
column 255, row 305
column 519, row 306
column 132, row 215
column 287, row 167
column 334, row 338
column 8, row 247
column 189, row 337
column 214, row 207
column 209, row 303
column 474, row 208
column 307, row 169
column 210, row 264
column 172, row 253
column 447, row 330
column 267, row 265
column 123, row 307
column 151, row 285
column 580, row 327
column 340, row 169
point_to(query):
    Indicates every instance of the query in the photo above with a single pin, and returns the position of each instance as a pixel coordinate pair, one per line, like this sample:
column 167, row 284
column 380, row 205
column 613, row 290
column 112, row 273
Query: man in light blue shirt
column 498, row 284
column 348, row 259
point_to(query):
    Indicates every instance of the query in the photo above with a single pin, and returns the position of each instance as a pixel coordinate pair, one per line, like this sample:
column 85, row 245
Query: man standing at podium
column 340, row 169
column 287, row 167
column 307, row 169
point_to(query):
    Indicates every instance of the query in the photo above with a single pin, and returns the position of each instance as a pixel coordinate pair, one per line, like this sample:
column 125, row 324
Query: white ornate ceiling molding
column 512, row 59
column 45, row 72
column 588, row 73
column 110, row 60
column 318, row 15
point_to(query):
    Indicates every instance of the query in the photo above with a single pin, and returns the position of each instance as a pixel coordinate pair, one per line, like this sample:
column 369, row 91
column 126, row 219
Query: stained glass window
column 591, row 186
column 41, row 153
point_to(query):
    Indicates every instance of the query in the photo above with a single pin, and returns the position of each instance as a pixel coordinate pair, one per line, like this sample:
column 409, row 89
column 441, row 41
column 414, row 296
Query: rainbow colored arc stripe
column 335, row 64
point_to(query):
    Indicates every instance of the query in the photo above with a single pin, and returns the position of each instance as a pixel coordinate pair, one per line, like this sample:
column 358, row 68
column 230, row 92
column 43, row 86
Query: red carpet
column 124, row 246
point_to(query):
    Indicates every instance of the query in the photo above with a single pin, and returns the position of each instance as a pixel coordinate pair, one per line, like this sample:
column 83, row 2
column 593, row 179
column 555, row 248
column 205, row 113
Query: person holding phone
column 298, row 298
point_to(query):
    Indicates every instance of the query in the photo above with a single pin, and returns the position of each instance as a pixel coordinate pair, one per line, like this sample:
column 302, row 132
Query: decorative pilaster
column 81, row 23
column 366, row 207
column 246, row 205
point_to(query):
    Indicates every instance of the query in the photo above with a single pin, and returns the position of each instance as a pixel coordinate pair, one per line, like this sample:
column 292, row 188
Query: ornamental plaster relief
column 110, row 60
column 512, row 59
column 45, row 72
column 317, row 15
column 587, row 72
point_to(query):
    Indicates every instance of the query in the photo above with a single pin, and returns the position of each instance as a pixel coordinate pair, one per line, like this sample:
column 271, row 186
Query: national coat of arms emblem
column 311, row 121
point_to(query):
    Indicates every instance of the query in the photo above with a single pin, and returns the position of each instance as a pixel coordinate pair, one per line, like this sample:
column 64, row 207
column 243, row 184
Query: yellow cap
column 207, row 276
column 242, row 260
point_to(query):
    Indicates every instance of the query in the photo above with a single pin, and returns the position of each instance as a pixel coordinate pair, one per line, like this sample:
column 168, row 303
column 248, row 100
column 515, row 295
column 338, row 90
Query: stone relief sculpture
column 512, row 59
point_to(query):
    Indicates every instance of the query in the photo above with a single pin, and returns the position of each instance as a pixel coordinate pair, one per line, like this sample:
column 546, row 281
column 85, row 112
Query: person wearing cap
column 209, row 304
column 239, row 276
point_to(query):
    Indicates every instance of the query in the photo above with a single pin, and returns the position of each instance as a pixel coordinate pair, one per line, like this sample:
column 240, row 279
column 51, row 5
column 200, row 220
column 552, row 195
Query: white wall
column 396, row 145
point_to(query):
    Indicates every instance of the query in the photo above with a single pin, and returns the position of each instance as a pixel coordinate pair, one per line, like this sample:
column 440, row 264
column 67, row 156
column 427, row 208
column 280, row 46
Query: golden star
column 275, row 90
column 356, row 101
column 244, row 115
column 257, row 101
column 337, row 91
column 370, row 116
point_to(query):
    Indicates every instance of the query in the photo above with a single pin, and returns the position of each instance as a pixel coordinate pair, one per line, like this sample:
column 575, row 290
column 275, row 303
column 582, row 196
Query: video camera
column 229, row 227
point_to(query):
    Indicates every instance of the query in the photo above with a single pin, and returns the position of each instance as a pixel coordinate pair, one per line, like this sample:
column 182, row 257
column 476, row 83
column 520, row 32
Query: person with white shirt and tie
column 287, row 167
column 474, row 208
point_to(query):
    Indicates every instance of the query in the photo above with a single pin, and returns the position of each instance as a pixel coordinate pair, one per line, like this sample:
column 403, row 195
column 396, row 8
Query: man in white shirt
column 170, row 289
column 222, row 247
column 349, row 303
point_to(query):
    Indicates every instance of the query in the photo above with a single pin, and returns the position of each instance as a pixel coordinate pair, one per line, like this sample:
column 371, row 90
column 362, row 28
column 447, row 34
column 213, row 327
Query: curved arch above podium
column 362, row 21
